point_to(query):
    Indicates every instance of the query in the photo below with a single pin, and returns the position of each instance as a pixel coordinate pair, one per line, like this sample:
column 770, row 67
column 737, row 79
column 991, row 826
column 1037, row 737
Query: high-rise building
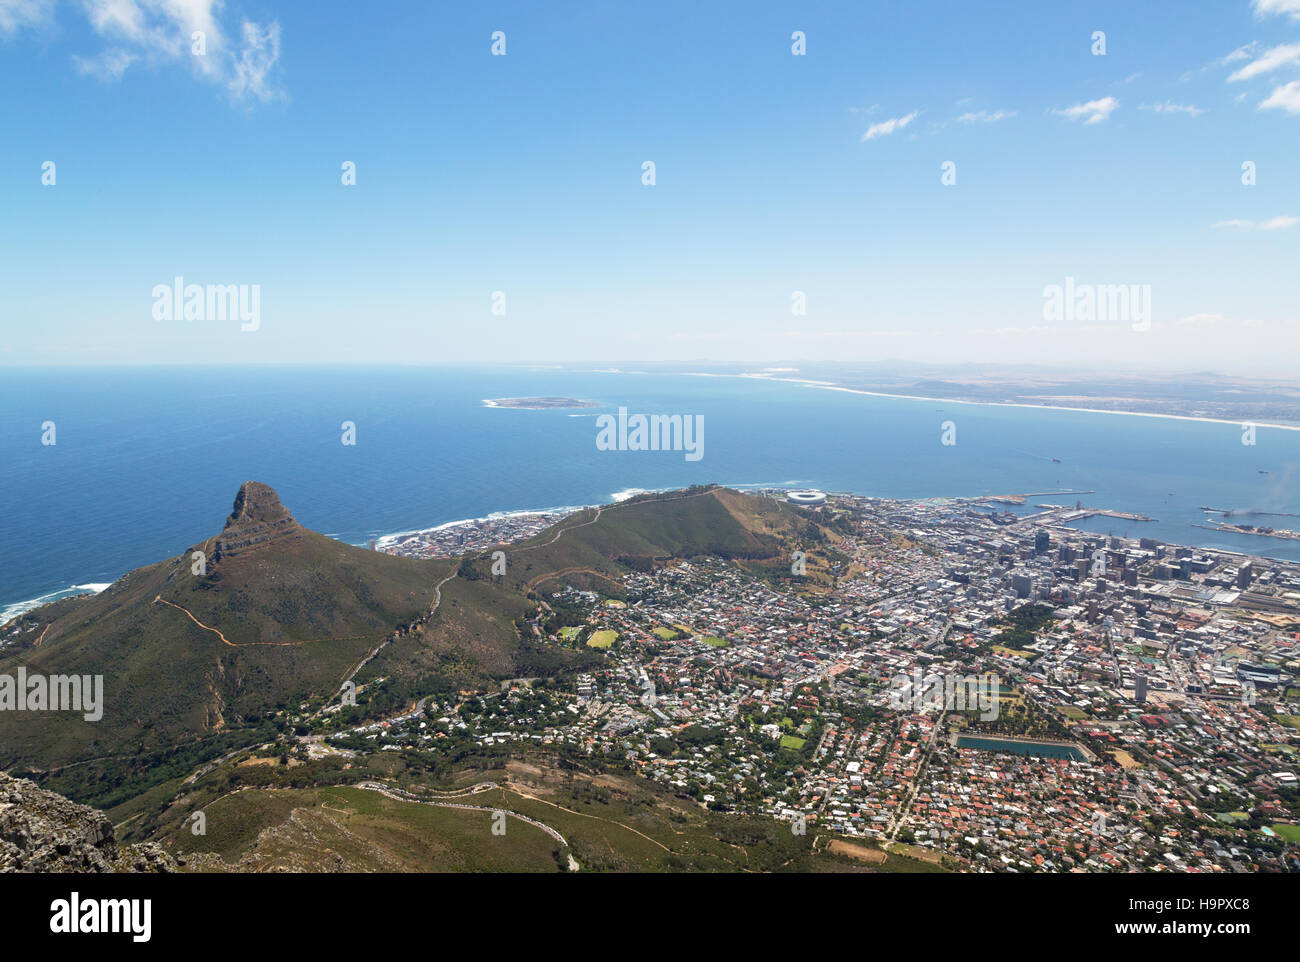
column 1042, row 541
column 1140, row 689
column 1244, row 574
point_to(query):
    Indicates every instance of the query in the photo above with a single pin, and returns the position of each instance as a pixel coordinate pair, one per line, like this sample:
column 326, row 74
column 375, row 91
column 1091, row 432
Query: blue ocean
column 147, row 461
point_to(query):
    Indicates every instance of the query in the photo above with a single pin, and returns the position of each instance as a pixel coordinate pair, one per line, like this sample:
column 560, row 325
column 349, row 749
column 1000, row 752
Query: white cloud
column 257, row 58
column 23, row 13
column 1290, row 8
column 161, row 33
column 1281, row 222
column 1286, row 97
column 1283, row 55
column 1244, row 52
column 1093, row 112
column 985, row 116
column 886, row 127
column 1172, row 108
column 108, row 66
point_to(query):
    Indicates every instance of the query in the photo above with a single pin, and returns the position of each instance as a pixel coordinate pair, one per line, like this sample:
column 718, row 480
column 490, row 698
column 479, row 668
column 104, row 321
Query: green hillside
column 288, row 614
column 197, row 665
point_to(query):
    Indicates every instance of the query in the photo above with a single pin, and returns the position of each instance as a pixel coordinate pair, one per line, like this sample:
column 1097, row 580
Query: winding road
column 401, row 795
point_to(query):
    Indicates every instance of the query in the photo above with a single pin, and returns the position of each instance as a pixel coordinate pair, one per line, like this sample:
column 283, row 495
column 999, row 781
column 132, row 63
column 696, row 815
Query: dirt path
column 596, row 817
column 252, row 644
column 398, row 795
column 529, row 586
column 424, row 620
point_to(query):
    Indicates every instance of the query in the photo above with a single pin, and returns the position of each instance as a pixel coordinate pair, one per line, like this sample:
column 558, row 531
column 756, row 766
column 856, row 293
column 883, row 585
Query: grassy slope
column 611, row 823
column 306, row 609
column 472, row 639
column 169, row 681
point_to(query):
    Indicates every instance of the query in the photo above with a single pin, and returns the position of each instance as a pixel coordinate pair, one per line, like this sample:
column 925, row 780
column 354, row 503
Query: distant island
column 539, row 403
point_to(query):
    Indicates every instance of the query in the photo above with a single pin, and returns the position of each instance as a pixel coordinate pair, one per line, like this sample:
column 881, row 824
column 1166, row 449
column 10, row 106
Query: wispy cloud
column 1172, row 108
column 23, row 13
column 1092, row 112
column 1285, row 97
column 108, row 66
column 886, row 127
column 164, row 33
column 985, row 116
column 1283, row 55
column 1244, row 52
column 1281, row 222
column 257, row 59
column 1264, row 8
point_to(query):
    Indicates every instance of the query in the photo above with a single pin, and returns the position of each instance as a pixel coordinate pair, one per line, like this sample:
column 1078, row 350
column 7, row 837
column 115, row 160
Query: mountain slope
column 278, row 614
column 203, row 654
column 473, row 636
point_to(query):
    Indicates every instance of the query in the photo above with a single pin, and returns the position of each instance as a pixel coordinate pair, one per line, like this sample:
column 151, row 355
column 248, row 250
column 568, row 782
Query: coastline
column 16, row 609
column 11, row 610
column 561, row 511
column 388, row 539
column 832, row 386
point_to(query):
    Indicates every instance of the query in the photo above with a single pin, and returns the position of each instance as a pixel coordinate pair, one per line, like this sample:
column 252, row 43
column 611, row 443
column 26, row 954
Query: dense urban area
column 997, row 691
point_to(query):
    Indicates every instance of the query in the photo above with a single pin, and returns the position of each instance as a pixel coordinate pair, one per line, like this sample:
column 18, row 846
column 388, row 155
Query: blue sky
column 775, row 173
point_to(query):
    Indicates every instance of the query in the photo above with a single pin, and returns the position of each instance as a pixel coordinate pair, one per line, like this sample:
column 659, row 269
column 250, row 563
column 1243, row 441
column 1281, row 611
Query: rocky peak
column 44, row 832
column 256, row 504
column 258, row 517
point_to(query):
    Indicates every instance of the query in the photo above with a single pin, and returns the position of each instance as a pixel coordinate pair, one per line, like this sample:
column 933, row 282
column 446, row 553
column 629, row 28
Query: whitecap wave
column 628, row 493
column 390, row 539
column 18, row 608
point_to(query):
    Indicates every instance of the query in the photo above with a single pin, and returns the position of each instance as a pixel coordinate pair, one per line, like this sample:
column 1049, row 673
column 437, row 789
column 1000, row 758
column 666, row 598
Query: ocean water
column 147, row 461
